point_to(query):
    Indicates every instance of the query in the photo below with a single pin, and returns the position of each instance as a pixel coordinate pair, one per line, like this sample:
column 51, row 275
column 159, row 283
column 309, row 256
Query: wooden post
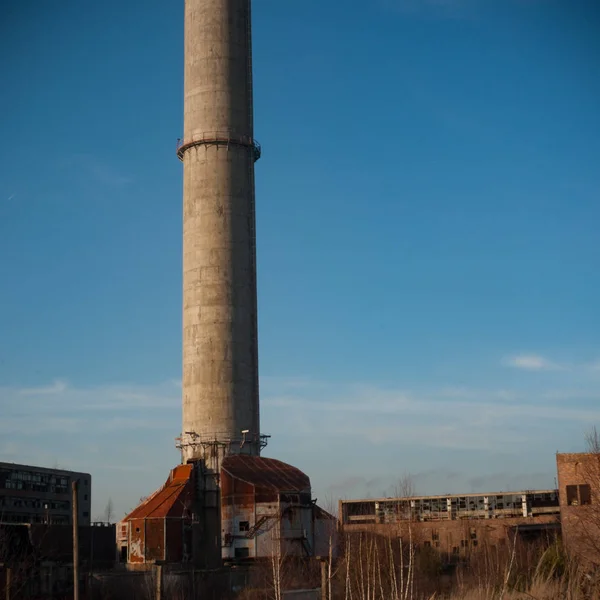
column 324, row 579
column 158, row 576
column 75, row 502
column 8, row 582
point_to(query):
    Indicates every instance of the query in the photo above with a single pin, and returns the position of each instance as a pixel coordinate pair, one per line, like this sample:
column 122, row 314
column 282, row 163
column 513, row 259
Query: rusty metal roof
column 171, row 500
column 266, row 473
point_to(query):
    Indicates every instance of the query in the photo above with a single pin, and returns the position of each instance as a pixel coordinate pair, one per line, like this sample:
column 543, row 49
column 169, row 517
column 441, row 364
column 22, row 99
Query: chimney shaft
column 220, row 348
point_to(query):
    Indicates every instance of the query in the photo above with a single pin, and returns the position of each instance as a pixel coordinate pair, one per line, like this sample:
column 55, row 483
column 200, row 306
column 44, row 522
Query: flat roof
column 10, row 465
column 449, row 496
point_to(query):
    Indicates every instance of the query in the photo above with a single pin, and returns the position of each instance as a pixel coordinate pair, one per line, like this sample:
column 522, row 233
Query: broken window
column 572, row 499
column 579, row 495
column 585, row 494
column 244, row 525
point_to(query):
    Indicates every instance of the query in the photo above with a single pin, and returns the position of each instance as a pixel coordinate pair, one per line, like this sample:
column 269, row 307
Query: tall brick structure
column 579, row 494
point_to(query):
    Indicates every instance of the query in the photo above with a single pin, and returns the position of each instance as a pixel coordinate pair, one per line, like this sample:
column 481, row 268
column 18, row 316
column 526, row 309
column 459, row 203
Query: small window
column 242, row 552
column 464, row 543
column 585, row 494
column 427, row 544
column 86, row 513
column 455, row 550
column 572, row 499
column 244, row 525
column 475, row 542
column 435, row 535
column 85, row 496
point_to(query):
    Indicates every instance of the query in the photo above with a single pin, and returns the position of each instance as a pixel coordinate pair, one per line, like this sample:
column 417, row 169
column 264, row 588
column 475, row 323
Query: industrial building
column 225, row 502
column 40, row 495
column 456, row 524
column 266, row 508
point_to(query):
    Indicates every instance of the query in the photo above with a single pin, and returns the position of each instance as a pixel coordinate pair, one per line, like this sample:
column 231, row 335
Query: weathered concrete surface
column 220, row 356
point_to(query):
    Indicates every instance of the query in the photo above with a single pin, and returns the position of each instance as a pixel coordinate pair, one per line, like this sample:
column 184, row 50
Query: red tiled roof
column 169, row 501
column 266, row 473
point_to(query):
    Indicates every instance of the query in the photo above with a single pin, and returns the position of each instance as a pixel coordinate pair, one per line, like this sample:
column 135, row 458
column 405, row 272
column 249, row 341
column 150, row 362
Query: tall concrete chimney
column 218, row 151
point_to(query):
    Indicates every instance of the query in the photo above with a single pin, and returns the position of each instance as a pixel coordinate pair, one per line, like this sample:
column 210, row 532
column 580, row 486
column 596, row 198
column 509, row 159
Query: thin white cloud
column 57, row 387
column 532, row 362
column 115, row 430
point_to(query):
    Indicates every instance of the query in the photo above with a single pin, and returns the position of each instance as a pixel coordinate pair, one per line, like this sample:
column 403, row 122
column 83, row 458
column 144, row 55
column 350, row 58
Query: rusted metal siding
column 150, row 521
column 266, row 473
column 155, row 539
column 174, row 540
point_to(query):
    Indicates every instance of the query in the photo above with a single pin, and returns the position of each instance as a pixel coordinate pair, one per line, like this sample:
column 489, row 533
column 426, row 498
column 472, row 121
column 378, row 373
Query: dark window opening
column 572, row 499
column 464, row 543
column 242, row 552
column 475, row 542
column 585, row 494
column 579, row 495
column 427, row 544
column 86, row 513
column 123, row 555
column 244, row 525
column 455, row 550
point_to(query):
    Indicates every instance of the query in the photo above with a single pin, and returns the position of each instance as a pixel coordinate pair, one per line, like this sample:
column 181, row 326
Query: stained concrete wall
column 220, row 362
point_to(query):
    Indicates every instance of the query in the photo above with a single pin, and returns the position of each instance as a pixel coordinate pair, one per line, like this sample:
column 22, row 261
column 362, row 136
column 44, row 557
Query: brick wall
column 579, row 493
column 460, row 537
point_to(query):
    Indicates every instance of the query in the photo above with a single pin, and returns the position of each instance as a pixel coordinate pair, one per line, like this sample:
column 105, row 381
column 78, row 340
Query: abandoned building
column 579, row 492
column 266, row 509
column 39, row 495
column 456, row 524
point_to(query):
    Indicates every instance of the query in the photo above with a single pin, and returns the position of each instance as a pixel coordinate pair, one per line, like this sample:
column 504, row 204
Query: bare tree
column 109, row 511
column 592, row 440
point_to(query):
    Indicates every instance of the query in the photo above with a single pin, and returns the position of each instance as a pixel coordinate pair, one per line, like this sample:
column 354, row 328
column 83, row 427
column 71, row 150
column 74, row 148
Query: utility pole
column 324, row 579
column 8, row 582
column 158, row 582
column 75, row 503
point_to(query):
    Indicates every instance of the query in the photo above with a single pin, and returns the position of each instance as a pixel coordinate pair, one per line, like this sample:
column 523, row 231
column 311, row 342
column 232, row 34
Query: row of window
column 40, row 518
column 38, row 503
column 35, row 481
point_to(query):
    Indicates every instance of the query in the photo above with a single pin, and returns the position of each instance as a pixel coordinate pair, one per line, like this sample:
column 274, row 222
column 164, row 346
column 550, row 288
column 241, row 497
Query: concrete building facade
column 579, row 487
column 30, row 494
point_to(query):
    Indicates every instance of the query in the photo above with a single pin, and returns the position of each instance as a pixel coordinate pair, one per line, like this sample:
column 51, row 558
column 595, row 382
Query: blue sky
column 427, row 216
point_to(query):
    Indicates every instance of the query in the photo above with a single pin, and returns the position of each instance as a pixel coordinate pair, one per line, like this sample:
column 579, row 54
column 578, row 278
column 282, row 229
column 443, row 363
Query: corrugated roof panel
column 169, row 501
column 267, row 473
